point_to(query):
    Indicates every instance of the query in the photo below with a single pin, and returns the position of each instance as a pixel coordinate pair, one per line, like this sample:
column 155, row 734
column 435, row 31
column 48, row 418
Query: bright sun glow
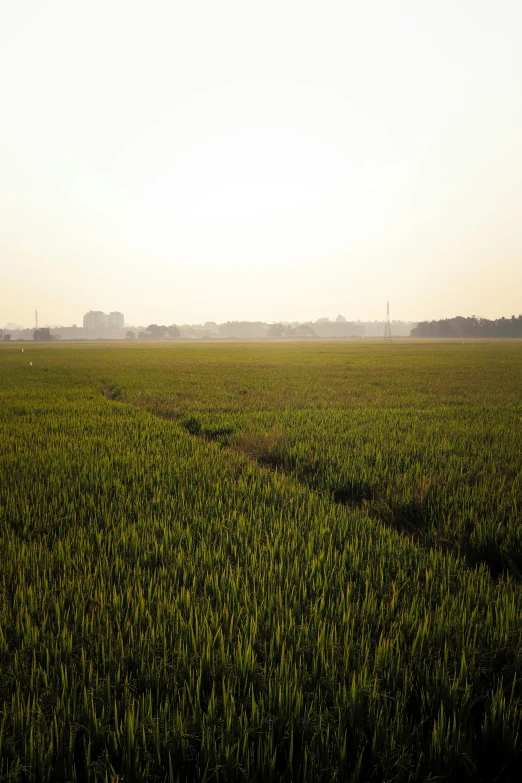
column 249, row 174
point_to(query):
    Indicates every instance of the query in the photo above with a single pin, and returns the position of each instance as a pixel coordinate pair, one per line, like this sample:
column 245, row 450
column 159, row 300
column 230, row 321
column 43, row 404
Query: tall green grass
column 182, row 598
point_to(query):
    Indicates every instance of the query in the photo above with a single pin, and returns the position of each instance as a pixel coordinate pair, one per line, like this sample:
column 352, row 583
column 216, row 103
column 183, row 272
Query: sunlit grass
column 252, row 562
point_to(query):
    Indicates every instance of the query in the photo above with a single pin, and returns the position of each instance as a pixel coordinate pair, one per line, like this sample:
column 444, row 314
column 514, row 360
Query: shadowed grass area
column 171, row 609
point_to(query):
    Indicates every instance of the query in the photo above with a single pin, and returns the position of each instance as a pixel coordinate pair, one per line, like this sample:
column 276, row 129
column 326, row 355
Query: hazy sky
column 192, row 161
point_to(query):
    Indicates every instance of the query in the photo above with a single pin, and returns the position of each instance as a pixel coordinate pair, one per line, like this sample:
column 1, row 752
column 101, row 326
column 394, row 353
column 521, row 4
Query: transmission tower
column 36, row 319
column 387, row 325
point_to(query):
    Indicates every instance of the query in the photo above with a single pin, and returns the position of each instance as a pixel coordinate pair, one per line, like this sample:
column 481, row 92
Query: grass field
column 263, row 561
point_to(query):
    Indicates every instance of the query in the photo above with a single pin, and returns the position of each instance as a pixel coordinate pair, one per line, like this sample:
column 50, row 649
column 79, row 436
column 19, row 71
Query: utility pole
column 387, row 325
column 36, row 319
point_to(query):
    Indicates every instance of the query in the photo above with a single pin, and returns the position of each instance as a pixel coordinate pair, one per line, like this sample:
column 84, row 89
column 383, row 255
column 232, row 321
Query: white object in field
column 22, row 350
column 30, row 364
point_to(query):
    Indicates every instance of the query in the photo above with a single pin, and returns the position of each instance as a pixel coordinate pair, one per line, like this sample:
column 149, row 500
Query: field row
column 172, row 609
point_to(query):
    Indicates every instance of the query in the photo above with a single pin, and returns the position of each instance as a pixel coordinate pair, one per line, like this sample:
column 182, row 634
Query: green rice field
column 272, row 561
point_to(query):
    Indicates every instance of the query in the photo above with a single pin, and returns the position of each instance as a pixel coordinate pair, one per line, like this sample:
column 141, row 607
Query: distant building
column 94, row 323
column 98, row 324
column 116, row 320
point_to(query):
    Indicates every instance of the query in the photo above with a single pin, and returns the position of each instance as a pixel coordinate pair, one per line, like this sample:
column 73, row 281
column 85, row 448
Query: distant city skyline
column 98, row 325
column 124, row 322
column 97, row 318
column 376, row 314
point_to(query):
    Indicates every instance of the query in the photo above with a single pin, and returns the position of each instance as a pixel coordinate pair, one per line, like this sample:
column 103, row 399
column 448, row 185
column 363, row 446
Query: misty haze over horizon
column 95, row 327
column 268, row 162
column 100, row 326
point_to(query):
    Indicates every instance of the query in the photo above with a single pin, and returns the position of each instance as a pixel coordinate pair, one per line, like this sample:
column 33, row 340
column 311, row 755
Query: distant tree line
column 457, row 327
column 323, row 327
column 156, row 332
column 43, row 335
column 469, row 327
column 248, row 330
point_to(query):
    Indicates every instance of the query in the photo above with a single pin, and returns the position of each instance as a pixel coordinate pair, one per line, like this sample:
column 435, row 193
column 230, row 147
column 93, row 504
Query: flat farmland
column 272, row 561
